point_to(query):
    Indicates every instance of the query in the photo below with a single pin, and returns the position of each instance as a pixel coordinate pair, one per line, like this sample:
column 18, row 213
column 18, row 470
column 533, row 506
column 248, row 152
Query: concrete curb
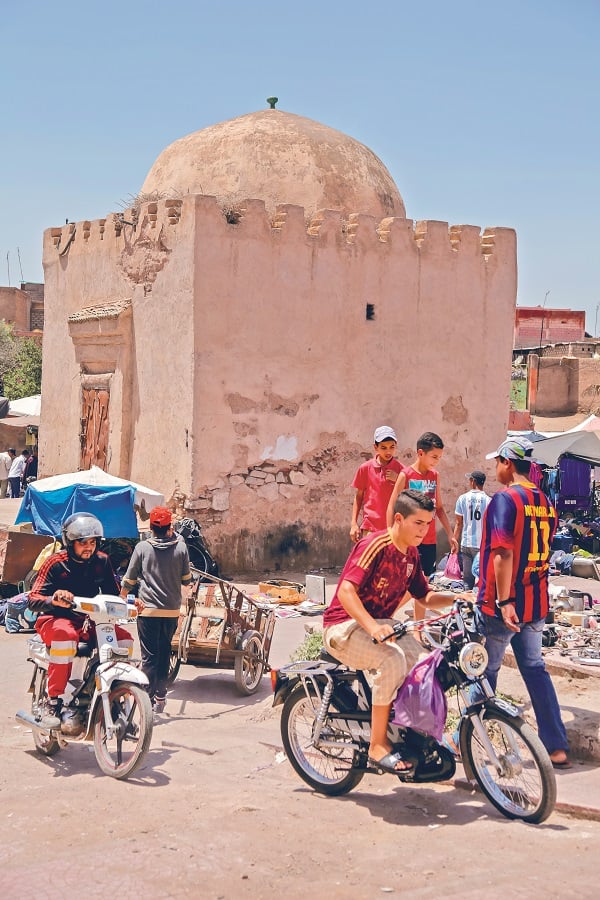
column 567, row 808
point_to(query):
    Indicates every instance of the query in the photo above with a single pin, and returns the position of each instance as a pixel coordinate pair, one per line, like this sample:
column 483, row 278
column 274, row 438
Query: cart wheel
column 248, row 669
column 174, row 666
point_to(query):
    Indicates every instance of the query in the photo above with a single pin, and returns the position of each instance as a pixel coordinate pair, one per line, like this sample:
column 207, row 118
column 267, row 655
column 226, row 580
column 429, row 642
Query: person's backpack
column 200, row 557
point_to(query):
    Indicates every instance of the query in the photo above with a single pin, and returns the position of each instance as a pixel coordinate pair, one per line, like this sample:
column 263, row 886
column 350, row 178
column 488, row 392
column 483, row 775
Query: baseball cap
column 384, row 433
column 513, row 448
column 160, row 516
column 477, row 476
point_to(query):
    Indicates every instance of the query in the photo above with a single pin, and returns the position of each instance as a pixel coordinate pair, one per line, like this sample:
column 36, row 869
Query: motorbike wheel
column 131, row 711
column 248, row 669
column 327, row 771
column 174, row 667
column 44, row 743
column 525, row 786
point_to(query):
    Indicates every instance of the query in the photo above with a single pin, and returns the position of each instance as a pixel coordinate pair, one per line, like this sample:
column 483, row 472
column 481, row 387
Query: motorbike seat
column 84, row 649
column 326, row 656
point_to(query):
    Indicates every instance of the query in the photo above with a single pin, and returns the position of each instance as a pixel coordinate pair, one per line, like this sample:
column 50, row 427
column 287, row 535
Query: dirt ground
column 217, row 812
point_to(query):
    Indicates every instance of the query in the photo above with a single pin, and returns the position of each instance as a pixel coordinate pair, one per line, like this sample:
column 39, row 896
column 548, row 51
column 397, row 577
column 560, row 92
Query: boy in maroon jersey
column 381, row 574
column 518, row 527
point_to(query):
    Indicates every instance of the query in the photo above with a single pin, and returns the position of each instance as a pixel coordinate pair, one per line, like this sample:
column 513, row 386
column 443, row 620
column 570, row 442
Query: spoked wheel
column 328, row 769
column 44, row 743
column 524, row 787
column 248, row 668
column 174, row 666
column 131, row 712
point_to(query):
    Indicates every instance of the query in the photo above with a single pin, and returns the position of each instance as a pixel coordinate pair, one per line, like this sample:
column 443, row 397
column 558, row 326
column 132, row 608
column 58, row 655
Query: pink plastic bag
column 453, row 569
column 421, row 703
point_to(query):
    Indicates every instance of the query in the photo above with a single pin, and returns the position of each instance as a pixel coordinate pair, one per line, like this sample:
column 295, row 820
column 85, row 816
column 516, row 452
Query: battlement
column 289, row 223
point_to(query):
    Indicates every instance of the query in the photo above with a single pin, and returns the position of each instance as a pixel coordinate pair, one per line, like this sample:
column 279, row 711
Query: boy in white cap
column 374, row 483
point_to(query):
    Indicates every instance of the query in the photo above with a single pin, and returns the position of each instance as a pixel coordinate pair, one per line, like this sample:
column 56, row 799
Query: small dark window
column 370, row 311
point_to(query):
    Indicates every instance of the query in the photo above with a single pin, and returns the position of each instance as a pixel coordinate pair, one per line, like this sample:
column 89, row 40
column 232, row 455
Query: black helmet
column 80, row 527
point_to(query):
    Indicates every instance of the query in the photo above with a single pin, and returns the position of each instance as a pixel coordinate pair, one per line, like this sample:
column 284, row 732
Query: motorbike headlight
column 473, row 659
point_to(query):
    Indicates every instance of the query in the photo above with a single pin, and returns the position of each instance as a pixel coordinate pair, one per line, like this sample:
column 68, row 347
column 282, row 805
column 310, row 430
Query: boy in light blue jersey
column 469, row 511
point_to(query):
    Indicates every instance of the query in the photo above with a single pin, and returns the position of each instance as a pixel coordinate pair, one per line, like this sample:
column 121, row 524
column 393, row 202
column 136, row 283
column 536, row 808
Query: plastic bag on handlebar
column 420, row 702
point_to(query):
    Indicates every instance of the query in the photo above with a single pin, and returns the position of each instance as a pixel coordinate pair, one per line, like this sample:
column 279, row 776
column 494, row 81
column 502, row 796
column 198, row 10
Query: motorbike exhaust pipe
column 27, row 718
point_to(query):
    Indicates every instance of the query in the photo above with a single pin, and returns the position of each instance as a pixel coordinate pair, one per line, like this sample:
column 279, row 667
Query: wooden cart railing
column 225, row 627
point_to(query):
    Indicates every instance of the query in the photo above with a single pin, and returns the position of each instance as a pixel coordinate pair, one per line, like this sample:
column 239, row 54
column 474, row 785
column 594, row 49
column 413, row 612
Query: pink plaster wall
column 256, row 380
column 15, row 307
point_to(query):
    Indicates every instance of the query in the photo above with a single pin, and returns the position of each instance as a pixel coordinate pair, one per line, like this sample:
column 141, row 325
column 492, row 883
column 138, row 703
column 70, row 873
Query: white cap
column 384, row 433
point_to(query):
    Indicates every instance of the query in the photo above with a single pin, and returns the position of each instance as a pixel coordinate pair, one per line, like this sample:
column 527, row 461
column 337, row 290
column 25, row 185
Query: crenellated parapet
column 289, row 223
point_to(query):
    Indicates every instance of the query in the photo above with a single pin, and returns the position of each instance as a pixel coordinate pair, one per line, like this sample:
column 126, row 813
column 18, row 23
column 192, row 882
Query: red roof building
column 536, row 326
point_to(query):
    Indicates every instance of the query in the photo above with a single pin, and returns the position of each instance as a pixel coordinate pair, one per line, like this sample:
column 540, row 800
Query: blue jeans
column 527, row 647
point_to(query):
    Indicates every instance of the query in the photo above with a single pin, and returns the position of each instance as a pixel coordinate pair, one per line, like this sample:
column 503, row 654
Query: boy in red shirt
column 422, row 476
column 374, row 483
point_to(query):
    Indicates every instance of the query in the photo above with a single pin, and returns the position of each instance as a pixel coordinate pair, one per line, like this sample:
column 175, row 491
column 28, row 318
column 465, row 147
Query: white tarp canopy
column 143, row 496
column 592, row 423
column 26, row 406
column 581, row 444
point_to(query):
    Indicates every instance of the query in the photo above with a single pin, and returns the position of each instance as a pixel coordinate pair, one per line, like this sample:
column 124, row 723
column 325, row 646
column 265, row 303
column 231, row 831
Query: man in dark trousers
column 160, row 565
column 518, row 528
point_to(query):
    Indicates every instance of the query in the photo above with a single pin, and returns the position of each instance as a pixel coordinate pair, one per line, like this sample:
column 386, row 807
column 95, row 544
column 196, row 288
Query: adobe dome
column 277, row 157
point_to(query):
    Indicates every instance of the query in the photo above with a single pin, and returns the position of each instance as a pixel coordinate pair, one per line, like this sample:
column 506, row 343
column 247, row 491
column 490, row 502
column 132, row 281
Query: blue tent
column 112, row 505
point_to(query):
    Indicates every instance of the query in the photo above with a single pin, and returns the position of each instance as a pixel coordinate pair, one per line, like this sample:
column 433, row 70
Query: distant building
column 536, row 326
column 23, row 307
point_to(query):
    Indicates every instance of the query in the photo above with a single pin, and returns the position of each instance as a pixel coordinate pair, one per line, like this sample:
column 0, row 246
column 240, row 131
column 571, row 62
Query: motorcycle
column 326, row 722
column 105, row 702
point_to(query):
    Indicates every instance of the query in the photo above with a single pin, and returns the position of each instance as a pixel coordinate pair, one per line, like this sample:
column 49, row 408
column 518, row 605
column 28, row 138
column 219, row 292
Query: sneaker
column 51, row 714
column 159, row 704
column 72, row 723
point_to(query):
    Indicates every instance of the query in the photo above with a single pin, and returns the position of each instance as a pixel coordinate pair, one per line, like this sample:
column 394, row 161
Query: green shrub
column 310, row 647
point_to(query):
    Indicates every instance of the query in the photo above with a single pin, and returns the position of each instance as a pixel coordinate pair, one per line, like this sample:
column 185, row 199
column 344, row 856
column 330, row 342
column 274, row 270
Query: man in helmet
column 79, row 570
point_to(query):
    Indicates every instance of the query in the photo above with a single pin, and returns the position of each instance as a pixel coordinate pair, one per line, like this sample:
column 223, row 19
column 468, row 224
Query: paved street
column 216, row 811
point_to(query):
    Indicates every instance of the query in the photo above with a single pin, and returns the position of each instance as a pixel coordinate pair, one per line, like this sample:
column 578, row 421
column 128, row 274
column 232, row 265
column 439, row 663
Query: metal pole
column 542, row 325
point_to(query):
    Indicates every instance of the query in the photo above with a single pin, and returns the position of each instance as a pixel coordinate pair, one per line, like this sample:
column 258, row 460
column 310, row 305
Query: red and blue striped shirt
column 522, row 519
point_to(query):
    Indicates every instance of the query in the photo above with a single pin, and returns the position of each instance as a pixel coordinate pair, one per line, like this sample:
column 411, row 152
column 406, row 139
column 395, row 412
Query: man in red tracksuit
column 80, row 570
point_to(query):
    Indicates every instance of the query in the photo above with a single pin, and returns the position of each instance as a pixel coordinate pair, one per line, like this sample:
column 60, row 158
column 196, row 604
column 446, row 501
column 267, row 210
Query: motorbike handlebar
column 400, row 630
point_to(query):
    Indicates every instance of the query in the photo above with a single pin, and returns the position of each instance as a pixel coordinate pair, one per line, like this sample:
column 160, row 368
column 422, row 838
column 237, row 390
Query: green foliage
column 23, row 376
column 310, row 647
column 8, row 349
column 518, row 393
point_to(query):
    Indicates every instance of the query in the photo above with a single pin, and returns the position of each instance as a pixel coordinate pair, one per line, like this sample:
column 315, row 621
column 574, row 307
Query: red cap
column 160, row 516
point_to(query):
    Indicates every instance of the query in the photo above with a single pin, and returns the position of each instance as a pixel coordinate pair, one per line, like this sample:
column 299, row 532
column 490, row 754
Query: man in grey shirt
column 160, row 566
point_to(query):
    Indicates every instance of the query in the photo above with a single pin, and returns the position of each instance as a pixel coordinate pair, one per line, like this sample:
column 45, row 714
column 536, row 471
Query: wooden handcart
column 223, row 627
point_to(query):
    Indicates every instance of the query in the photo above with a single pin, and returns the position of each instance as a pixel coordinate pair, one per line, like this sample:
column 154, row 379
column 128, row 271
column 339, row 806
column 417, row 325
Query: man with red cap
column 160, row 565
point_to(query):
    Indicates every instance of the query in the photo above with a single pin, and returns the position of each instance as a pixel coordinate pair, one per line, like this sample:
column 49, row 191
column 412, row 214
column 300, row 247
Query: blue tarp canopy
column 112, row 505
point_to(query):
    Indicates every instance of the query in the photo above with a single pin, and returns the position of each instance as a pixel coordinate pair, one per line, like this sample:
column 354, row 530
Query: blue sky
column 485, row 114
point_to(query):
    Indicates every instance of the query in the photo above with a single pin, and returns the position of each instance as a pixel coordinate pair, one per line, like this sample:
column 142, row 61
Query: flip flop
column 565, row 764
column 389, row 762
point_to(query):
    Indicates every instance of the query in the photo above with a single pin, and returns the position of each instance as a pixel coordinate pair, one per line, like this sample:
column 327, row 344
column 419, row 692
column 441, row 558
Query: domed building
column 280, row 158
column 236, row 336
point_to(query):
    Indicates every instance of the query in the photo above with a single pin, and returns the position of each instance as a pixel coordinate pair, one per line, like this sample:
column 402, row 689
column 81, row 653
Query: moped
column 326, row 721
column 106, row 699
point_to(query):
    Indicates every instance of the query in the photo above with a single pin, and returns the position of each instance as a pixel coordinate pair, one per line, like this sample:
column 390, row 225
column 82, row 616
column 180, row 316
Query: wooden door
column 94, row 428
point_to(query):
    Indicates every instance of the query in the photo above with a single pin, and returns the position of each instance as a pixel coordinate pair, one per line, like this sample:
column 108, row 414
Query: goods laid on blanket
column 576, row 548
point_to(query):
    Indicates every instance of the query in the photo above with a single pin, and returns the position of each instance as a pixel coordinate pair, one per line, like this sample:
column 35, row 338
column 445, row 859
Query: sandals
column 389, row 762
column 561, row 764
